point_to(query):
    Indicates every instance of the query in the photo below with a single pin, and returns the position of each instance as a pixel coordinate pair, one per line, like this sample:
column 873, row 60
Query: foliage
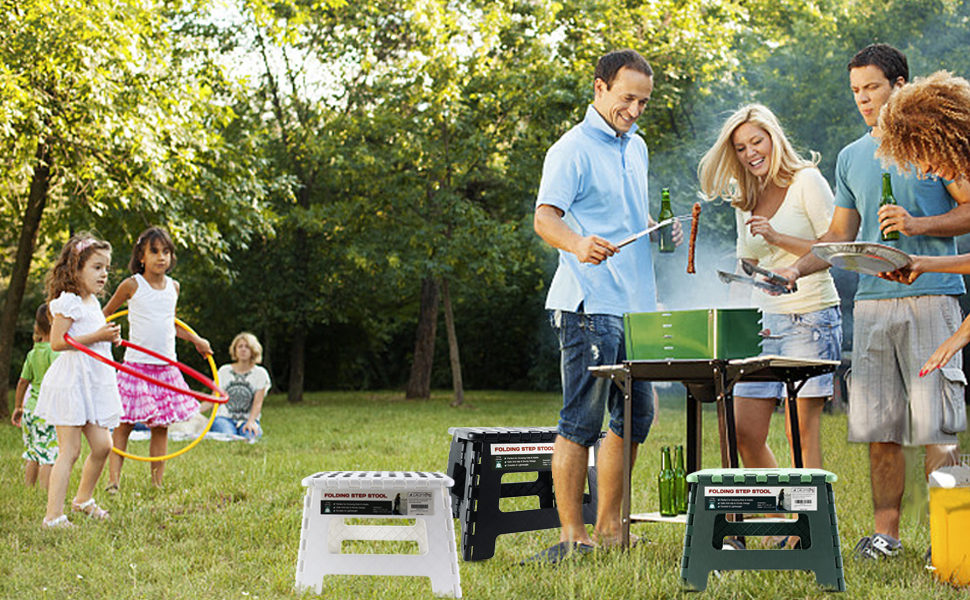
column 317, row 159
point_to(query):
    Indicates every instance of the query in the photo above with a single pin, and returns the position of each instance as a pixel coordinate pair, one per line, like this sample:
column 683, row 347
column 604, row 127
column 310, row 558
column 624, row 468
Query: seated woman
column 247, row 384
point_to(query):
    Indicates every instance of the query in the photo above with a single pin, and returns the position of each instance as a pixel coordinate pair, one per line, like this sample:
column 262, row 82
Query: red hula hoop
column 219, row 396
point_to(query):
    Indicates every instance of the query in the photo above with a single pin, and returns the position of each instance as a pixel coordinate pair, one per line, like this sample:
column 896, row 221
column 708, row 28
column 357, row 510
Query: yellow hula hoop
column 215, row 378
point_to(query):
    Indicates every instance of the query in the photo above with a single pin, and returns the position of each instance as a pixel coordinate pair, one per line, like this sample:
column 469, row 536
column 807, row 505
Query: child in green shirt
column 40, row 439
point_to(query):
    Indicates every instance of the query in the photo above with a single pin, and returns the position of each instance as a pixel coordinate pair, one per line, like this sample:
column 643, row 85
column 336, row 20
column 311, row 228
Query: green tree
column 106, row 120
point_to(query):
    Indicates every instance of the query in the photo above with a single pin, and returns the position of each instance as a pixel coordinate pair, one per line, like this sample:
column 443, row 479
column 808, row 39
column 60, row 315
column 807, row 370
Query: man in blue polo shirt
column 896, row 326
column 593, row 193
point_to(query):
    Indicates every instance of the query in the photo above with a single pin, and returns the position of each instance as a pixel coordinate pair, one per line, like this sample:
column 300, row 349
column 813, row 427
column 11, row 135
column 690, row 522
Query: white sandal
column 60, row 522
column 91, row 509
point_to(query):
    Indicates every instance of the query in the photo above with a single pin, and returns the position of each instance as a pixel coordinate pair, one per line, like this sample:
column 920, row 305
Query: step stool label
column 525, row 457
column 522, row 457
column 761, row 499
column 377, row 503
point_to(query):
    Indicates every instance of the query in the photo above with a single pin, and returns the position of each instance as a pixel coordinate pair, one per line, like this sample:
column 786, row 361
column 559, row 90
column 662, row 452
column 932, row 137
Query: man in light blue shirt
column 896, row 327
column 593, row 193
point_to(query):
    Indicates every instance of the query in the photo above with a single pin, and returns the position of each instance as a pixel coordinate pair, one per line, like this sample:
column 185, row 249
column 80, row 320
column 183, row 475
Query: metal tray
column 862, row 257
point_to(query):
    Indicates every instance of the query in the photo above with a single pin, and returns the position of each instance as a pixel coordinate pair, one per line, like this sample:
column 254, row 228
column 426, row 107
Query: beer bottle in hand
column 665, row 485
column 680, row 481
column 667, row 231
column 888, row 198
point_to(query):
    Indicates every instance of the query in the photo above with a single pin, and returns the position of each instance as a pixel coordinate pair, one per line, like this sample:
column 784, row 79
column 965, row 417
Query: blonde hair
column 722, row 175
column 253, row 344
column 929, row 121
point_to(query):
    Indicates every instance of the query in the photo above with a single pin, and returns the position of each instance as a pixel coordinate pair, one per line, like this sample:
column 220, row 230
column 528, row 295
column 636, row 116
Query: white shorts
column 892, row 339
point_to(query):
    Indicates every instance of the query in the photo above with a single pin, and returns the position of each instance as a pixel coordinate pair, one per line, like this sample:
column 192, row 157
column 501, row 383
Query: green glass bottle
column 665, row 485
column 667, row 231
column 680, row 481
column 888, row 198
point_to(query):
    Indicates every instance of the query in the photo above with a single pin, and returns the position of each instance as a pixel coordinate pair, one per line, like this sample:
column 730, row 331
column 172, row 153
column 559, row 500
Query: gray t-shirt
column 242, row 388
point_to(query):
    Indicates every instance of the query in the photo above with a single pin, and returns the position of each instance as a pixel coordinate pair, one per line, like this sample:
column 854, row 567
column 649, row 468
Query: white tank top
column 151, row 319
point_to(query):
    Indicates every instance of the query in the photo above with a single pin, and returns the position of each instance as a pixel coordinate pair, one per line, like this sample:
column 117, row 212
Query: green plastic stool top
column 805, row 493
column 762, row 475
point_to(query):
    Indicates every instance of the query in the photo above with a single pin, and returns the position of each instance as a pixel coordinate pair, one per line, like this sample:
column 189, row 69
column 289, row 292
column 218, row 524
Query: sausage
column 695, row 215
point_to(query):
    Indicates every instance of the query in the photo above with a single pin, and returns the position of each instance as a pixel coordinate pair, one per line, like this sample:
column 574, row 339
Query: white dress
column 78, row 389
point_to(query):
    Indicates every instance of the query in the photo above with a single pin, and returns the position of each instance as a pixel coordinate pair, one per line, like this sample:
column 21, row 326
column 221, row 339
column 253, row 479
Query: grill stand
column 709, row 380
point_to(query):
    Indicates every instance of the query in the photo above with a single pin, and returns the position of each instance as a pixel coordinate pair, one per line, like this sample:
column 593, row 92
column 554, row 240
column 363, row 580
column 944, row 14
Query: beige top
column 805, row 213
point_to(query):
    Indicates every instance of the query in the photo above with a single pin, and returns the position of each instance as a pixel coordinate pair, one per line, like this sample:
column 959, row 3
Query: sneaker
column 878, row 545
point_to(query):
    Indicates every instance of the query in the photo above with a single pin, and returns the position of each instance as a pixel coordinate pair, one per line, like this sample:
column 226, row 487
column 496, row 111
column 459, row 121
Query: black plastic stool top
column 478, row 458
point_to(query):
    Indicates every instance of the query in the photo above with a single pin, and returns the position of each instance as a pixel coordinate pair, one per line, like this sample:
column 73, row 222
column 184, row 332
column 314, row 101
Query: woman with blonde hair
column 782, row 206
column 247, row 384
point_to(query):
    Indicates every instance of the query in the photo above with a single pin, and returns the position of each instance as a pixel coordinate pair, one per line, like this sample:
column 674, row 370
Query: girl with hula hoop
column 151, row 296
column 79, row 395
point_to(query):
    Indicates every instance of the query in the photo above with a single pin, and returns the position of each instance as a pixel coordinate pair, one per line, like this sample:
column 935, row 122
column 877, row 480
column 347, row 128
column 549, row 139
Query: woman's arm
column 254, row 411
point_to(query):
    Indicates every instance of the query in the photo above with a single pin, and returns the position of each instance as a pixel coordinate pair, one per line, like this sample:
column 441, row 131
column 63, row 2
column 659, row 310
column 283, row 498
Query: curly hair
column 721, row 173
column 64, row 275
column 147, row 238
column 928, row 122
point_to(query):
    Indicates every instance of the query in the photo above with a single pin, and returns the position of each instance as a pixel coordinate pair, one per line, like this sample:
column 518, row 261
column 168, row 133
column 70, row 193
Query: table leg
column 627, row 458
column 695, row 425
column 732, row 432
column 796, row 436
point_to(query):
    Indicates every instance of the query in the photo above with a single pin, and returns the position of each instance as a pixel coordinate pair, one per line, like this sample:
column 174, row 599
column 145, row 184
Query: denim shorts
column 588, row 341
column 816, row 334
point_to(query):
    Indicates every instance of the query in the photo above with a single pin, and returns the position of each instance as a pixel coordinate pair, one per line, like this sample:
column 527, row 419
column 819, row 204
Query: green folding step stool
column 715, row 493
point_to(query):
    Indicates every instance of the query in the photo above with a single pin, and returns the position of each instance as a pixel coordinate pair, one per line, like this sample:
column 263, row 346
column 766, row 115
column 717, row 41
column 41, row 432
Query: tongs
column 774, row 278
column 775, row 284
column 651, row 229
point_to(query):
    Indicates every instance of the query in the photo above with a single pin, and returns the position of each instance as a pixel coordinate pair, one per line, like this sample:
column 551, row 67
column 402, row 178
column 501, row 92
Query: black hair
column 145, row 240
column 890, row 61
column 610, row 64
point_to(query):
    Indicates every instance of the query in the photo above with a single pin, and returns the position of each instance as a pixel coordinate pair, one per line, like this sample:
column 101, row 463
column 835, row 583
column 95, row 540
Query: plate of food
column 862, row 257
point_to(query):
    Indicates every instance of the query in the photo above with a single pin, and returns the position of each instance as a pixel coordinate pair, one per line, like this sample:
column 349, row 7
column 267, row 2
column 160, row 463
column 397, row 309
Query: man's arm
column 844, row 228
column 952, row 223
column 550, row 226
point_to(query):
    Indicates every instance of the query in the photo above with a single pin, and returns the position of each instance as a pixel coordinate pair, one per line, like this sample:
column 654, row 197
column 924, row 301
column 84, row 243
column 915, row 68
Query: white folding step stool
column 332, row 497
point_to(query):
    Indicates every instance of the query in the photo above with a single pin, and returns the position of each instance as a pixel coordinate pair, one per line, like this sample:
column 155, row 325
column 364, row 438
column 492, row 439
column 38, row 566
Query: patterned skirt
column 153, row 405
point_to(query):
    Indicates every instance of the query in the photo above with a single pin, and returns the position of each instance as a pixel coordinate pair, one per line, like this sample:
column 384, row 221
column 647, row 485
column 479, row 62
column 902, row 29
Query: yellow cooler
column 950, row 532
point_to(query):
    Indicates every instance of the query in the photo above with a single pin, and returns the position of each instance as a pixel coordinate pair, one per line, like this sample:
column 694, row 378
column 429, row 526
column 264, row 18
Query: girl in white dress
column 79, row 394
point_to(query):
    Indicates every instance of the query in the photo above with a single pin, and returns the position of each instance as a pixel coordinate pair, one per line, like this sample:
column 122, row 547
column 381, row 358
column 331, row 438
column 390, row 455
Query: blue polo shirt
column 858, row 186
column 599, row 180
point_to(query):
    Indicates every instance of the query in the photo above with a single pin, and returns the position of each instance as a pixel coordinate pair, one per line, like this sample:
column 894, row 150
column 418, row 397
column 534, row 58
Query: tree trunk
column 453, row 354
column 36, row 202
column 297, row 365
column 419, row 384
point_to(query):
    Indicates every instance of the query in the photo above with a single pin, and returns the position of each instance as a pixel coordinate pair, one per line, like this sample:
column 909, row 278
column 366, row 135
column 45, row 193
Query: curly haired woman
column 926, row 126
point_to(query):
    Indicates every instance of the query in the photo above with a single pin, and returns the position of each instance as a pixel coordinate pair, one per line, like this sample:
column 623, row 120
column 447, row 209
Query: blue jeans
column 587, row 341
column 816, row 334
column 228, row 426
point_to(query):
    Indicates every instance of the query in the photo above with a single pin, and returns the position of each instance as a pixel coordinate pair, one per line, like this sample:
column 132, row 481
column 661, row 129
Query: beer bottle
column 667, row 231
column 680, row 482
column 888, row 198
column 665, row 485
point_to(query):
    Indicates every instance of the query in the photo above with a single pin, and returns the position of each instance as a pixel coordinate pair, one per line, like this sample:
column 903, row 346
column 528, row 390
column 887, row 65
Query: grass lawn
column 226, row 523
